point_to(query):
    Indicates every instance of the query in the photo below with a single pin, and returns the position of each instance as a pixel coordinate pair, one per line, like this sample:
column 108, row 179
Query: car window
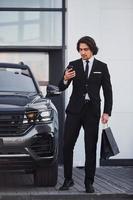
column 16, row 80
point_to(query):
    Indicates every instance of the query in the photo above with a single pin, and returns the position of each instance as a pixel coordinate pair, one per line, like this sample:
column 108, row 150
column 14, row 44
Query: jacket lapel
column 81, row 68
column 93, row 68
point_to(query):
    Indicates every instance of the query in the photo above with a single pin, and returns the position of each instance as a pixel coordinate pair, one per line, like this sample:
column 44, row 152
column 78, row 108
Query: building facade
column 44, row 33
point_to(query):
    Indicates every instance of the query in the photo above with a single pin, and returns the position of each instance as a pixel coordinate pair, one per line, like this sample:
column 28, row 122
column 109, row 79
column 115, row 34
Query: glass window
column 15, row 80
column 31, row 3
column 31, row 28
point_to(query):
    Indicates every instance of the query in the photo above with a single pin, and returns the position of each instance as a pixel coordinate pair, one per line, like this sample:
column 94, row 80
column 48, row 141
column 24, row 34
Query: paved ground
column 110, row 183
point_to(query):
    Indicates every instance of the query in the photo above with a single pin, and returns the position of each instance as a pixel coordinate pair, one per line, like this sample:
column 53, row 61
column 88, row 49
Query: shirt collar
column 90, row 60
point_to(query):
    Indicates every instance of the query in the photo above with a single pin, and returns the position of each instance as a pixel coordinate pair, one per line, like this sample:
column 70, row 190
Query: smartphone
column 70, row 67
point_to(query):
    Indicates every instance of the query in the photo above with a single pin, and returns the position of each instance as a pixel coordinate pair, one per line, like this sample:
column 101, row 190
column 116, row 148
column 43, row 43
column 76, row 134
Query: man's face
column 85, row 51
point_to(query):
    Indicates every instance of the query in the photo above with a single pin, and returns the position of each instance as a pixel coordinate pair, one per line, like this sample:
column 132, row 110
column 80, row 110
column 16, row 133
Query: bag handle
column 105, row 126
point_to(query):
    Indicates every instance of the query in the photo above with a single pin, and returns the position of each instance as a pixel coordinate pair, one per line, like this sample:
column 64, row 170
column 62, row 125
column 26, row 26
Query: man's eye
column 85, row 49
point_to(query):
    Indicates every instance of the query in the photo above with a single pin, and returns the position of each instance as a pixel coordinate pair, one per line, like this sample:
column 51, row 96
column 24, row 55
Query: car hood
column 13, row 101
column 18, row 99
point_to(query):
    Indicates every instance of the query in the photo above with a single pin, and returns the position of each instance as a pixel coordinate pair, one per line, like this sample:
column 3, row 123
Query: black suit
column 87, row 115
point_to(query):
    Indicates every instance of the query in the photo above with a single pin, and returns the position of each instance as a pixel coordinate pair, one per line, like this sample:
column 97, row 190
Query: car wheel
column 46, row 176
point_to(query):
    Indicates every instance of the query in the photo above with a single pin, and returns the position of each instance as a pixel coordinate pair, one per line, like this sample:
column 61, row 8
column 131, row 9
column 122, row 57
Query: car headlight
column 31, row 115
column 45, row 115
column 37, row 116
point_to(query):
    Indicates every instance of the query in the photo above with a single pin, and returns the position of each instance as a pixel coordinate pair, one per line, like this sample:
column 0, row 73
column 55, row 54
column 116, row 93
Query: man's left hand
column 104, row 118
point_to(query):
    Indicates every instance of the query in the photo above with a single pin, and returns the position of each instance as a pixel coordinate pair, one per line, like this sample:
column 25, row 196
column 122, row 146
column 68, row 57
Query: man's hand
column 69, row 74
column 104, row 118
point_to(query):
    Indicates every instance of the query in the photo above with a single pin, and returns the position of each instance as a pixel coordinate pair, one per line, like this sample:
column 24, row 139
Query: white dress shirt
column 91, row 60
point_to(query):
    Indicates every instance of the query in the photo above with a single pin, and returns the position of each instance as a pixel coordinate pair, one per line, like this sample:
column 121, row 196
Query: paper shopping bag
column 109, row 146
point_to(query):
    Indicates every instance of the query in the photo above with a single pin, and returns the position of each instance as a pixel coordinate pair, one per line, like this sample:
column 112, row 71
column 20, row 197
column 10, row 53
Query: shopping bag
column 109, row 146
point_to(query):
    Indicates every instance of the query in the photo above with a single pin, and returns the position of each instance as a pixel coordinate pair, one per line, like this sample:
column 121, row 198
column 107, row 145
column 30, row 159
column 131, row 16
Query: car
column 28, row 125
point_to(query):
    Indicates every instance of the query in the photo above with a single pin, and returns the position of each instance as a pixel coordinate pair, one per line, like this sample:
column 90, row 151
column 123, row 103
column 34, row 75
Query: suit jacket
column 99, row 77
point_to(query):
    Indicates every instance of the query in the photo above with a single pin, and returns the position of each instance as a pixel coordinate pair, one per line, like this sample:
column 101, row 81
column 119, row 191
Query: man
column 87, row 75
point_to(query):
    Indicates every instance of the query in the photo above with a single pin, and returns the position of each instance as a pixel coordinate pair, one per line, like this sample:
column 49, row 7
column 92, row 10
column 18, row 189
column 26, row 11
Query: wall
column 109, row 22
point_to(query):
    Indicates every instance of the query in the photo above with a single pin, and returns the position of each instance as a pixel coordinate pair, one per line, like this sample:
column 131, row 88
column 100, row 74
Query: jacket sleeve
column 107, row 91
column 63, row 84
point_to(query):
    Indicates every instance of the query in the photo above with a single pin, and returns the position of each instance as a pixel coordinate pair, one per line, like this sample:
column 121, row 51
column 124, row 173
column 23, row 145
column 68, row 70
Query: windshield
column 16, row 80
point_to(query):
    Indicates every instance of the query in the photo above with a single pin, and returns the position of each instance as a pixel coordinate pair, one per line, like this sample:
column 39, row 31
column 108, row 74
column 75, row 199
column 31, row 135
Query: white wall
column 110, row 23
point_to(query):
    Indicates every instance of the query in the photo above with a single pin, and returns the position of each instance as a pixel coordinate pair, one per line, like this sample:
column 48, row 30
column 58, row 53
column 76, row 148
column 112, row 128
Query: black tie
column 86, row 69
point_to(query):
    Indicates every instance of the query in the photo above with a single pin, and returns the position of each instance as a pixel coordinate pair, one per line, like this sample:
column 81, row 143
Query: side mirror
column 52, row 90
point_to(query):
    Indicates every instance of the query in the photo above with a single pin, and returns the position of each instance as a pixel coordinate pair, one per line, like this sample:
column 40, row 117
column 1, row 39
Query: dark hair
column 90, row 42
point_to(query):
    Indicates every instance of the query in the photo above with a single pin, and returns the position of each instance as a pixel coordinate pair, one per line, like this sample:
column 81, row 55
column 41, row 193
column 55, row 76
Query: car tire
column 46, row 176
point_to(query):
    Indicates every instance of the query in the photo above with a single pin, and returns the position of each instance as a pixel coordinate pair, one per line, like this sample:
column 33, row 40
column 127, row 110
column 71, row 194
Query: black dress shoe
column 90, row 188
column 67, row 184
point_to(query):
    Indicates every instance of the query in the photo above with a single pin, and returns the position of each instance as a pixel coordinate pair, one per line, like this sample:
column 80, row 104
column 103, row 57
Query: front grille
column 43, row 145
column 14, row 163
column 11, row 124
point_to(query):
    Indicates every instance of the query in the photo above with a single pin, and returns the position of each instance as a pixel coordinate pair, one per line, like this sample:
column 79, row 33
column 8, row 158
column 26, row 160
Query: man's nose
column 83, row 52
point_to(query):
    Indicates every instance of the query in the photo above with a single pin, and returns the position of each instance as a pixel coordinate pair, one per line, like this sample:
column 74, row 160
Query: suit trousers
column 89, row 120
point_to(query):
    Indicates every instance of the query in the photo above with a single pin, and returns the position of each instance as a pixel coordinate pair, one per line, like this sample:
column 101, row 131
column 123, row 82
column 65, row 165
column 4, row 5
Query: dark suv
column 28, row 125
